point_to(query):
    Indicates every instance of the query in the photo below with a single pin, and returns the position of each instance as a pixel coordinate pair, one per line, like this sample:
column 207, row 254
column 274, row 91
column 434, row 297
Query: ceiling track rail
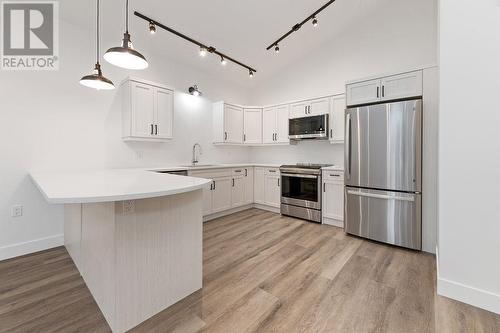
column 209, row 49
column 297, row 26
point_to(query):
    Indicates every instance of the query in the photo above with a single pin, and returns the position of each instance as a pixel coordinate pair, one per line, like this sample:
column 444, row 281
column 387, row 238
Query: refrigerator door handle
column 348, row 147
column 381, row 196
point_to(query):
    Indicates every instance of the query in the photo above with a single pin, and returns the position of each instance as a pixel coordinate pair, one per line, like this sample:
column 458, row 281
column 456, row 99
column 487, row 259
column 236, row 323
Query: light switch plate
column 128, row 207
column 17, row 211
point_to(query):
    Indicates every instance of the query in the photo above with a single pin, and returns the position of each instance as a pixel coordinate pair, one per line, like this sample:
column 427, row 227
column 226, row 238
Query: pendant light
column 97, row 80
column 125, row 56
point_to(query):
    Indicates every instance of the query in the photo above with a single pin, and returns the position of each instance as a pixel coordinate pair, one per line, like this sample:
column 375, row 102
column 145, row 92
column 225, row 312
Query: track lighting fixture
column 96, row 80
column 204, row 50
column 152, row 28
column 277, row 49
column 125, row 56
column 296, row 27
column 250, row 73
column 194, row 90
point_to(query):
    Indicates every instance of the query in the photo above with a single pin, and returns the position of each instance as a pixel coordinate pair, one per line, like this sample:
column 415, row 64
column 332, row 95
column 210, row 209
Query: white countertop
column 333, row 168
column 126, row 184
column 213, row 166
column 112, row 185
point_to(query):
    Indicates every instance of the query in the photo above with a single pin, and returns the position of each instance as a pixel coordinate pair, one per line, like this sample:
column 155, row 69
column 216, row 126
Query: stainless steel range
column 301, row 191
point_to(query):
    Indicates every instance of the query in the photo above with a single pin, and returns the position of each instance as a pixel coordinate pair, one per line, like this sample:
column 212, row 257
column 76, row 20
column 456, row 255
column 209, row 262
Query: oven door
column 301, row 190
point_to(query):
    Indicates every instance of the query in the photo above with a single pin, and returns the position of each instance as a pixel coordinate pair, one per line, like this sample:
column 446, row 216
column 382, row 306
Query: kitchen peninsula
column 135, row 236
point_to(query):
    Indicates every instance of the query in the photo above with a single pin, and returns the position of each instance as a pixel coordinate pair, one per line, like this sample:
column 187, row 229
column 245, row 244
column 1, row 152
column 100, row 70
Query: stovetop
column 306, row 166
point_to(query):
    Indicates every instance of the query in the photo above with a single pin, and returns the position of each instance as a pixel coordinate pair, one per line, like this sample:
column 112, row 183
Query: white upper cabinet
column 314, row 107
column 164, row 113
column 147, row 111
column 386, row 88
column 268, row 125
column 319, row 106
column 402, row 85
column 282, row 124
column 298, row 110
column 363, row 92
column 275, row 125
column 337, row 119
column 252, row 133
column 227, row 123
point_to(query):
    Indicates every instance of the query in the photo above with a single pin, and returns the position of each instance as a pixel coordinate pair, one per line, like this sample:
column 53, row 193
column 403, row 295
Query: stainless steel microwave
column 313, row 127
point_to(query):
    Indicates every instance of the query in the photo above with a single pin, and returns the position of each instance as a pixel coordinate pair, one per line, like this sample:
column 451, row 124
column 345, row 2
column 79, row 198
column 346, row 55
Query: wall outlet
column 128, row 207
column 17, row 211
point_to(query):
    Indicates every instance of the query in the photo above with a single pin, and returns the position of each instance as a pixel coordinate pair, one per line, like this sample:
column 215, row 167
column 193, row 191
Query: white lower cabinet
column 230, row 188
column 249, row 185
column 333, row 198
column 267, row 187
column 221, row 194
column 258, row 191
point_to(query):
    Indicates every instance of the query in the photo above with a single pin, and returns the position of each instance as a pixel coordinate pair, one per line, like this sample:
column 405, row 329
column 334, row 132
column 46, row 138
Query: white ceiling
column 240, row 28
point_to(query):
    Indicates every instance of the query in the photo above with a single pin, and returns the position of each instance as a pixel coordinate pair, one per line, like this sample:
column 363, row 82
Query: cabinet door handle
column 244, row 137
column 324, row 187
column 331, row 133
column 279, row 182
column 214, row 184
column 334, row 175
column 272, row 170
column 383, row 91
column 225, row 136
column 233, row 182
column 246, row 172
column 211, row 186
column 156, row 129
column 151, row 129
column 305, row 109
column 309, row 109
column 378, row 90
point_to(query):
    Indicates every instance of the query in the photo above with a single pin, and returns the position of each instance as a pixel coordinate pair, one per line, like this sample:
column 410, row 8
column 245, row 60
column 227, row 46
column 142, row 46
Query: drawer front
column 389, row 217
column 238, row 172
column 272, row 171
column 333, row 176
column 214, row 173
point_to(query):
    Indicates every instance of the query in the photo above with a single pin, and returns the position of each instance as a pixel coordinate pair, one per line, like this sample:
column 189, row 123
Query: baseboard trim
column 36, row 245
column 226, row 212
column 266, row 207
column 467, row 294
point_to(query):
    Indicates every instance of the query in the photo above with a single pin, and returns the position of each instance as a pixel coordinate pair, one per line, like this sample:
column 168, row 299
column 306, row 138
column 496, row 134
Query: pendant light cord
column 126, row 16
column 97, row 37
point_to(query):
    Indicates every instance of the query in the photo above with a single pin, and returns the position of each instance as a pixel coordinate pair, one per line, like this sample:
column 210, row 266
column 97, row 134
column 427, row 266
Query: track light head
column 315, row 22
column 223, row 61
column 203, row 51
column 152, row 28
column 194, row 90
column 250, row 73
column 277, row 49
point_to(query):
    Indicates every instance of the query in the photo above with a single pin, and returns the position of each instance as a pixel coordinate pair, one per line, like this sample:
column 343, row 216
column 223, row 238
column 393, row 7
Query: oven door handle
column 298, row 175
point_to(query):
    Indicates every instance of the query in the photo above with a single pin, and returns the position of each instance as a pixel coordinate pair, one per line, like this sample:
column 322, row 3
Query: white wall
column 50, row 122
column 469, row 177
column 398, row 36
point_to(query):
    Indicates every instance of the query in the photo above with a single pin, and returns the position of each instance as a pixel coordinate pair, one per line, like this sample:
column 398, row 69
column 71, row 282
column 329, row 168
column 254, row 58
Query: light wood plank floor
column 262, row 273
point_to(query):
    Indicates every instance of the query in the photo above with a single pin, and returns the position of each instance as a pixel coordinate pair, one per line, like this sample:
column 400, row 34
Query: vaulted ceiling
column 240, row 28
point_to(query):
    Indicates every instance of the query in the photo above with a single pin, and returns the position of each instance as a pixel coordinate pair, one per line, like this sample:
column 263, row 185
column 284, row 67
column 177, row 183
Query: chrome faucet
column 195, row 157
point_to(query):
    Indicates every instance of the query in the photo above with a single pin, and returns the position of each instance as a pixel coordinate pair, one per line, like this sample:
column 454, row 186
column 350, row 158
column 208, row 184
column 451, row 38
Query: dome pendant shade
column 125, row 56
column 97, row 80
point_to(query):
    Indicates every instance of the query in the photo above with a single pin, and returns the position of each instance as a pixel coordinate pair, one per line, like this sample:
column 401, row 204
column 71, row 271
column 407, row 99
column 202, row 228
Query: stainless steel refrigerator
column 383, row 172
